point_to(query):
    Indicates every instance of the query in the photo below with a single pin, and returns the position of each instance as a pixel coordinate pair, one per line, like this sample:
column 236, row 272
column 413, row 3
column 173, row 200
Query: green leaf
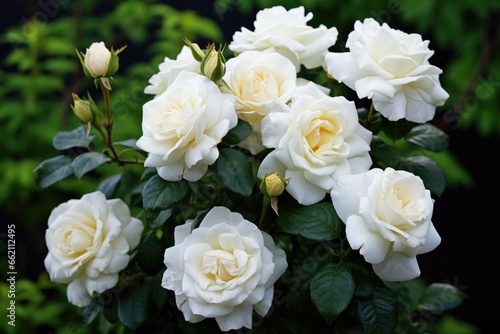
column 150, row 253
column 378, row 314
column 88, row 161
column 91, row 311
column 133, row 305
column 317, row 222
column 238, row 133
column 157, row 219
column 109, row 185
column 332, row 289
column 396, row 129
column 159, row 194
column 52, row 170
column 383, row 152
column 157, row 293
column 429, row 171
column 440, row 297
column 234, row 171
column 75, row 138
column 428, row 137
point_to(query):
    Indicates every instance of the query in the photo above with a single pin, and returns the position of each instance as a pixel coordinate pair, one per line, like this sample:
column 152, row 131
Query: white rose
column 256, row 78
column 182, row 127
column 318, row 139
column 89, row 241
column 97, row 58
column 170, row 69
column 391, row 68
column 224, row 269
column 287, row 33
column 388, row 218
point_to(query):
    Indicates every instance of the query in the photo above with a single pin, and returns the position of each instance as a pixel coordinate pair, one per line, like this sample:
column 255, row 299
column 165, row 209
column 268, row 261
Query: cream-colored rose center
column 321, row 132
column 402, row 208
column 76, row 239
column 222, row 266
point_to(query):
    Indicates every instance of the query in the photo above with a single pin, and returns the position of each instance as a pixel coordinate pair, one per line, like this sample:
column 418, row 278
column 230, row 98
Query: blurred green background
column 39, row 71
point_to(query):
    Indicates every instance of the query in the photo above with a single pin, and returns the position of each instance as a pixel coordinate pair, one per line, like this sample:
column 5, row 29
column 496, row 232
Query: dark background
column 466, row 219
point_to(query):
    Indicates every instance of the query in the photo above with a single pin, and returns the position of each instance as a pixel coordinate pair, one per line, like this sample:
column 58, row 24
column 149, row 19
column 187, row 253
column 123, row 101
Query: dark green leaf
column 332, row 289
column 75, row 138
column 365, row 281
column 159, row 194
column 109, row 185
column 234, row 171
column 52, row 170
column 157, row 293
column 396, row 129
column 428, row 137
column 110, row 306
column 88, row 161
column 150, row 253
column 91, row 311
column 133, row 305
column 378, row 314
column 317, row 222
column 440, row 297
column 238, row 133
column 383, row 152
column 429, row 171
column 157, row 219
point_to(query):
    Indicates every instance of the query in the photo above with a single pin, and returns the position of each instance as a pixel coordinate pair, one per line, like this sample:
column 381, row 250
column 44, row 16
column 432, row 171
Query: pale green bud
column 81, row 108
column 213, row 65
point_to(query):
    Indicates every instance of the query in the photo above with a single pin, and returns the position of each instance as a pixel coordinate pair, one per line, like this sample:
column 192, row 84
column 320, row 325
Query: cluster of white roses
column 226, row 267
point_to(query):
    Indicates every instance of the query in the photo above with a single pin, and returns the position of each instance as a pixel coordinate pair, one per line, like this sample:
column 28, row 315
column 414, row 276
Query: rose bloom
column 256, row 78
column 170, row 69
column 391, row 68
column 388, row 218
column 182, row 127
column 89, row 241
column 96, row 59
column 223, row 269
column 287, row 33
column 315, row 141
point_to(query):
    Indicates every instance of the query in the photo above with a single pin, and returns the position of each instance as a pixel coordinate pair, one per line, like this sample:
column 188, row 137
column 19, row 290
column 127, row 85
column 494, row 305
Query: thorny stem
column 369, row 118
column 108, row 125
column 266, row 200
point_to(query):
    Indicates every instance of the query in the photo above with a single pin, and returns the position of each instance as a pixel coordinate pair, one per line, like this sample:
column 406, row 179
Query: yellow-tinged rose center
column 321, row 132
column 76, row 239
column 222, row 266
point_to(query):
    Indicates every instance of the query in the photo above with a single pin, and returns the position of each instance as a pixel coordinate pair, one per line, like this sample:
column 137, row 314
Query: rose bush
column 226, row 136
column 223, row 269
column 89, row 242
column 391, row 68
column 315, row 141
column 182, row 127
column 388, row 218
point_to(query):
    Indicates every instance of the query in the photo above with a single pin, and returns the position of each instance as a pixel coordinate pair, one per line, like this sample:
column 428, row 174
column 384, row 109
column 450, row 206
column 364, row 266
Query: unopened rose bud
column 81, row 108
column 273, row 184
column 98, row 61
column 213, row 64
